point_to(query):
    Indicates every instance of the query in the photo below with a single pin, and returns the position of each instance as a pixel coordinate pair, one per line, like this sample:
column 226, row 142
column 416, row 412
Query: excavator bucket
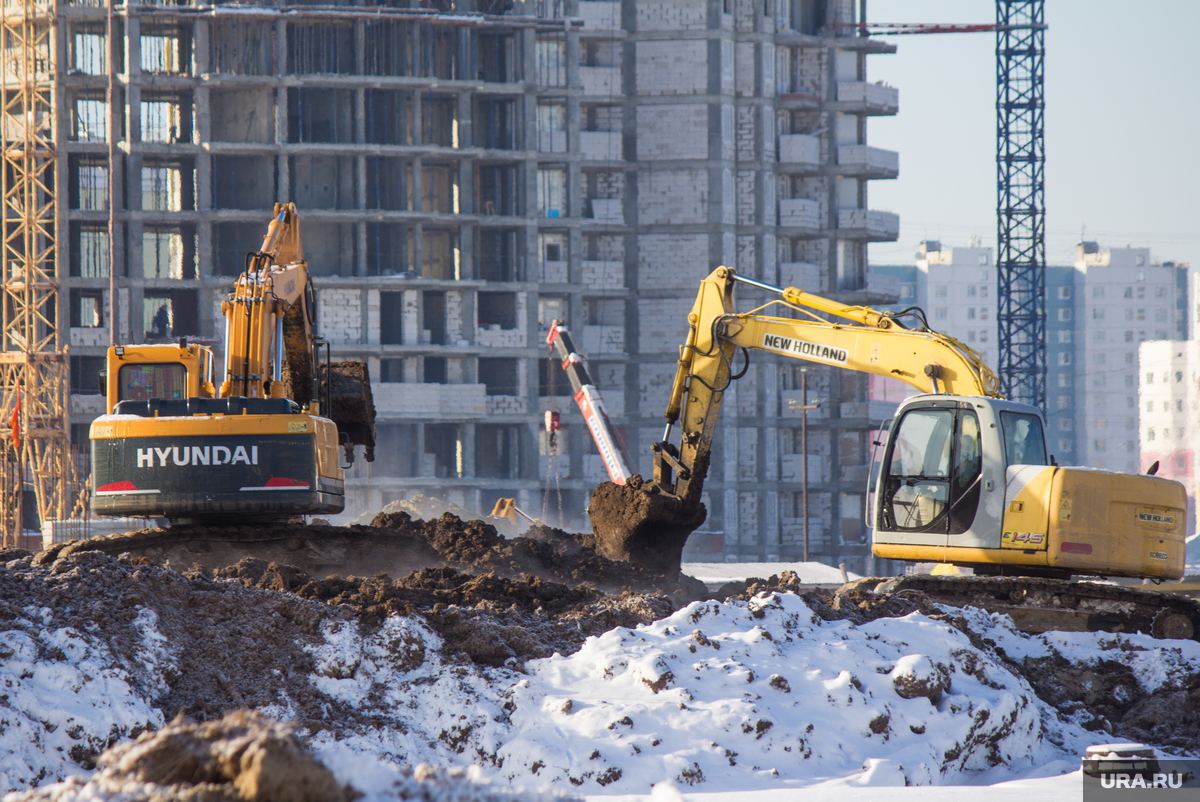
column 352, row 407
column 638, row 523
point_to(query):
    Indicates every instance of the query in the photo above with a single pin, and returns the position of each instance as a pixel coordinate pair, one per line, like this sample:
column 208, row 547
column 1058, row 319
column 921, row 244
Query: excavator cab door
column 930, row 478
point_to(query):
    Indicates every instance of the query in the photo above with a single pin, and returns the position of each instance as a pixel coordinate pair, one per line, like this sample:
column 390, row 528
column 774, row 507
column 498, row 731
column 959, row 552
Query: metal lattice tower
column 1021, row 198
column 33, row 366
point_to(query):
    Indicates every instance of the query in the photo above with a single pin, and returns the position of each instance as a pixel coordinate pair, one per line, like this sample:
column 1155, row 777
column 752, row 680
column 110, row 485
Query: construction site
column 295, row 295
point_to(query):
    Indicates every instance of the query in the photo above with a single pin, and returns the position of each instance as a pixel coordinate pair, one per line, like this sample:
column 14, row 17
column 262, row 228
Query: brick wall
column 340, row 315
column 603, row 275
column 672, row 261
column 674, row 67
column 687, row 15
column 673, row 132
column 673, row 197
column 603, row 340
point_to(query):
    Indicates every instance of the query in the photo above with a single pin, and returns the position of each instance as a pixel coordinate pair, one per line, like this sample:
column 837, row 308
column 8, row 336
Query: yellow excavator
column 965, row 477
column 261, row 442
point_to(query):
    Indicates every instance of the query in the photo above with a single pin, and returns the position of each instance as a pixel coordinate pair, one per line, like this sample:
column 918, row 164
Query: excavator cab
column 944, row 468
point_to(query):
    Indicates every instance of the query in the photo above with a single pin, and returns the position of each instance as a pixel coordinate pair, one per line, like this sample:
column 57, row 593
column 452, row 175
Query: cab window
column 143, row 382
column 933, row 471
column 1024, row 443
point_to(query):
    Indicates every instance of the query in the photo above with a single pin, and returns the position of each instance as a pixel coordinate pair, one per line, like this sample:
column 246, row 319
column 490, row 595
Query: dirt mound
column 243, row 756
column 426, row 508
column 394, row 544
column 488, row 620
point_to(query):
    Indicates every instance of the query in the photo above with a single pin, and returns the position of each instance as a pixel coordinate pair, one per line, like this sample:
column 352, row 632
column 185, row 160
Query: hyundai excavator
column 964, row 479
column 258, row 444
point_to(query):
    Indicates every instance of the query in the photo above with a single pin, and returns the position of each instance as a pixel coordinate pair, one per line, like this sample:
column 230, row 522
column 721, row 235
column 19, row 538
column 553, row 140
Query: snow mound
column 65, row 696
column 751, row 695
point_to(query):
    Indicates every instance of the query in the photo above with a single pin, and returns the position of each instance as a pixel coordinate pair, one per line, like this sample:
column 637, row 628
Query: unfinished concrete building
column 464, row 177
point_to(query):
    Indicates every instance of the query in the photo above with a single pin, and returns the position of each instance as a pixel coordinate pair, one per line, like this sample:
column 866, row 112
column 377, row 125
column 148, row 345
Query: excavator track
column 1039, row 605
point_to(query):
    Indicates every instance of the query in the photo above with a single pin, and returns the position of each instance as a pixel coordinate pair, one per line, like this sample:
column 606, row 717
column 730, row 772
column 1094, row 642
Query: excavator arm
column 270, row 340
column 649, row 522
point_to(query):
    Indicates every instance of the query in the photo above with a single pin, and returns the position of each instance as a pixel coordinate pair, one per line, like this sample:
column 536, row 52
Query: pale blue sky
column 1122, row 127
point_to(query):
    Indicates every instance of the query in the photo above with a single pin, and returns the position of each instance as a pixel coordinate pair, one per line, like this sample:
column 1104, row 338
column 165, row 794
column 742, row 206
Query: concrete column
column 466, row 439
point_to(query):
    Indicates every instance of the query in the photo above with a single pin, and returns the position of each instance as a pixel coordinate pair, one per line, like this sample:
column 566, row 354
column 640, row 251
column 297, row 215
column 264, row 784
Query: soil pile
column 394, row 544
column 488, row 620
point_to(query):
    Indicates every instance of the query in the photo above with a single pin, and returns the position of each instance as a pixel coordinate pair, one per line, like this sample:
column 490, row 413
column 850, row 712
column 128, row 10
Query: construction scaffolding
column 33, row 364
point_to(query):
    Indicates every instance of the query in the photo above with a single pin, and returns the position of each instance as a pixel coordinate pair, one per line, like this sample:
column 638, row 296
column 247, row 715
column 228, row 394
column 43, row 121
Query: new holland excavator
column 260, row 443
column 965, row 477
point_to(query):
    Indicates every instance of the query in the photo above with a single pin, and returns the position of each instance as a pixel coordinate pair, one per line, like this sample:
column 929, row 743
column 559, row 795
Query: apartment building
column 1122, row 299
column 956, row 287
column 464, row 176
column 1168, row 401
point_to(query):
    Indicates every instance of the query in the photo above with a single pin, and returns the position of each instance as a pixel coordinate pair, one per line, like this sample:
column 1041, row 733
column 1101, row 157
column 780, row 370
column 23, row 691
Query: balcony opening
column 320, row 47
column 497, row 309
column 552, row 192
column 391, row 371
column 389, row 184
column 89, row 116
column 321, row 115
column 330, row 248
column 435, row 370
column 552, row 380
column 496, row 189
column 388, row 117
column 498, row 451
column 169, row 252
column 167, row 314
column 241, row 47
column 168, row 186
column 498, row 254
column 87, row 309
column 388, row 47
column 388, row 250
column 441, row 187
column 89, row 51
column 552, row 127
column 443, row 442
column 85, row 375
column 166, row 50
column 244, row 182
column 231, row 243
column 391, row 321
column 439, row 121
column 495, row 124
column 87, row 184
column 440, row 254
column 166, row 118
column 497, row 57
column 498, row 375
column 433, row 323
column 552, row 60
column 89, row 251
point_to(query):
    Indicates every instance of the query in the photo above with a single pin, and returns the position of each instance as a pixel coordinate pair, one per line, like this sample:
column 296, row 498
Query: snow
column 747, row 700
column 810, row 573
column 61, row 690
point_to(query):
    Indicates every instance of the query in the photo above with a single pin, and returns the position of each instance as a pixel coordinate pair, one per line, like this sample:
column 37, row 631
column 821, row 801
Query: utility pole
column 804, row 406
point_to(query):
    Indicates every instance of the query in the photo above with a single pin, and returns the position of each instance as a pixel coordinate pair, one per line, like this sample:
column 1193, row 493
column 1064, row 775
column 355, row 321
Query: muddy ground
column 243, row 629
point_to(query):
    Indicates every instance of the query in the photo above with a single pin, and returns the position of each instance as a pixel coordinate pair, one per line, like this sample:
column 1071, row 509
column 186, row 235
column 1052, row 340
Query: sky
column 1122, row 121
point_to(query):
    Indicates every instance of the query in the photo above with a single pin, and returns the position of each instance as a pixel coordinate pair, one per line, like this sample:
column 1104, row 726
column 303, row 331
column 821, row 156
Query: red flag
column 16, row 423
